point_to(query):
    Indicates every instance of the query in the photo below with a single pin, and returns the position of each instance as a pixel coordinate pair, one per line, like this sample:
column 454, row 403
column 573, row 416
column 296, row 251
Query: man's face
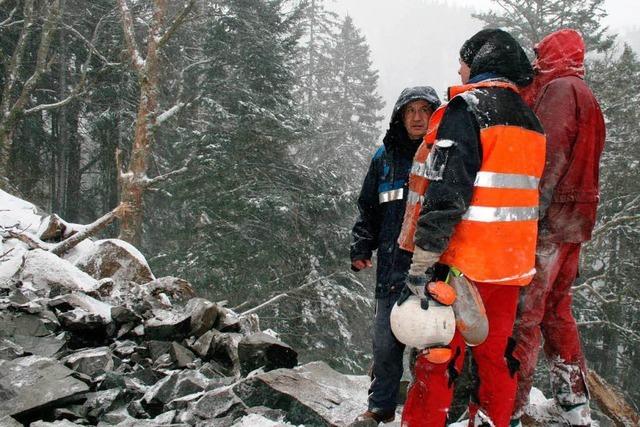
column 464, row 72
column 416, row 118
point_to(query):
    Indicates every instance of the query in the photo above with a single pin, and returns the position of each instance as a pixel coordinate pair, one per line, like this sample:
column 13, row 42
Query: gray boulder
column 218, row 404
column 33, row 383
column 260, row 350
column 203, row 314
column 10, row 350
column 44, row 270
column 167, row 325
column 92, row 362
column 117, row 260
column 312, row 394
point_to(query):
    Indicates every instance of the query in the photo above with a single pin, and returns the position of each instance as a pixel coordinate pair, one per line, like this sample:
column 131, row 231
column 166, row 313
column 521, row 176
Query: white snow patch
column 255, row 420
column 83, row 249
column 43, row 268
column 15, row 212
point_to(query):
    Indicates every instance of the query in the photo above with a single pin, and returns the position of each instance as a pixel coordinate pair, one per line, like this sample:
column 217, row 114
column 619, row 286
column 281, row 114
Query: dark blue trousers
column 387, row 358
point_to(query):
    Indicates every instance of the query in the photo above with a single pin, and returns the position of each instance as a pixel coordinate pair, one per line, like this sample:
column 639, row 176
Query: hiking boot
column 378, row 417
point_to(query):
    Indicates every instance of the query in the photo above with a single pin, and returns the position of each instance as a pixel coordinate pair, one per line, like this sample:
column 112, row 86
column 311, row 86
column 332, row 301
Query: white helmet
column 416, row 327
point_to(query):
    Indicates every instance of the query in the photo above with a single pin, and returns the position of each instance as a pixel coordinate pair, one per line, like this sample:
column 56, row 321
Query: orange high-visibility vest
column 496, row 239
column 418, row 183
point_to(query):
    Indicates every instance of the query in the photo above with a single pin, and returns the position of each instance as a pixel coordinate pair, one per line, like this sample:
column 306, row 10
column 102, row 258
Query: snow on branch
column 615, row 221
column 90, row 43
column 90, row 230
column 169, row 113
column 160, row 178
column 53, row 105
column 129, row 36
column 32, row 242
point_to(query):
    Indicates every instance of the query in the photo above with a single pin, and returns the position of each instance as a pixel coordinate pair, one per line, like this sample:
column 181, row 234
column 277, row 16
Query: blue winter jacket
column 383, row 196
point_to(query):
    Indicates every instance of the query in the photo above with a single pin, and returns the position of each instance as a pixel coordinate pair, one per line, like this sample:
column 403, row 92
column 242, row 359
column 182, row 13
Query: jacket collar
column 500, row 83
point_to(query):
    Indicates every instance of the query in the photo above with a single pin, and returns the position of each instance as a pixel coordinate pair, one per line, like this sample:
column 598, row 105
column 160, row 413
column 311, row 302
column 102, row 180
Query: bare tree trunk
column 14, row 100
column 134, row 182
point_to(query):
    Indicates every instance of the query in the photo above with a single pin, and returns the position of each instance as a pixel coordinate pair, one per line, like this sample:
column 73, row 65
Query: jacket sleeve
column 367, row 227
column 556, row 110
column 449, row 193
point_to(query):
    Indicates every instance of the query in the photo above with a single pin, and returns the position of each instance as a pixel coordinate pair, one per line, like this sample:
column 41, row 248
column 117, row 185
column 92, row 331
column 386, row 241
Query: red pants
column 545, row 312
column 430, row 395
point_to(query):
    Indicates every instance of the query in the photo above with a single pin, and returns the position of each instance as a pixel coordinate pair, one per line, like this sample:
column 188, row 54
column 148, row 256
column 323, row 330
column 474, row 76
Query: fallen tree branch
column 160, row 178
column 32, row 242
column 611, row 402
column 282, row 295
column 90, row 230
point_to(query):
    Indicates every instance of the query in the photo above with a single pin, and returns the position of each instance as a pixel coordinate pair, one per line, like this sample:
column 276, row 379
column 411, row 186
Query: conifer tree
column 529, row 21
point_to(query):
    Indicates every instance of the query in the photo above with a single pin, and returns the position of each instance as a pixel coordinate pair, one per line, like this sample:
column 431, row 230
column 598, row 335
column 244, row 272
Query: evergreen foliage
column 529, row 21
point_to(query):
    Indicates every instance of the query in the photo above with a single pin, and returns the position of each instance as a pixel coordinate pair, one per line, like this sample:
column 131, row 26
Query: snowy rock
column 29, row 384
column 82, row 301
column 312, row 394
column 160, row 394
column 217, row 404
column 9, row 422
column 101, row 402
column 229, row 321
column 11, row 264
column 58, row 423
column 203, row 315
column 91, row 362
column 10, row 350
column 18, row 213
column 221, row 347
column 167, row 325
column 181, row 356
column 116, row 259
column 260, row 350
column 176, row 290
column 122, row 314
column 44, row 270
column 40, row 346
column 12, row 323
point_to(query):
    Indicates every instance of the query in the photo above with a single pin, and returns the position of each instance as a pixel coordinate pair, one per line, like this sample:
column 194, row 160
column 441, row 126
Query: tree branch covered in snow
column 90, row 230
column 129, row 36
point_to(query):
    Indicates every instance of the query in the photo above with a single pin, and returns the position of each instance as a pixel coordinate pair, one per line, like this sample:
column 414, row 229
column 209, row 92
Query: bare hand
column 361, row 264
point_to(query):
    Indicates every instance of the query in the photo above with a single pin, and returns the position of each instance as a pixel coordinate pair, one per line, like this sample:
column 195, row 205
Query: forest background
column 240, row 130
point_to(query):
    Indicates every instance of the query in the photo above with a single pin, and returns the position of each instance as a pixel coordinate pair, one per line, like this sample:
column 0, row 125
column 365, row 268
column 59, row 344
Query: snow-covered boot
column 576, row 416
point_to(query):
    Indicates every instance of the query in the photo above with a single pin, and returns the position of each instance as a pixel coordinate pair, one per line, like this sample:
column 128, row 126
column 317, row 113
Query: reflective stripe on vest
column 502, row 214
column 506, row 180
column 418, row 183
column 391, row 195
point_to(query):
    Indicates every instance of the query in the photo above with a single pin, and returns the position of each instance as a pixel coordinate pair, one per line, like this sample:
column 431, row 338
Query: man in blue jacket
column 381, row 205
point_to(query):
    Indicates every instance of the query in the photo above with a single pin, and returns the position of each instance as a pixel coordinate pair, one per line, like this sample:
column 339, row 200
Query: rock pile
column 92, row 337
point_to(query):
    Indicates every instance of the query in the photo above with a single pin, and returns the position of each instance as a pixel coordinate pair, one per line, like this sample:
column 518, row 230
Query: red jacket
column 575, row 130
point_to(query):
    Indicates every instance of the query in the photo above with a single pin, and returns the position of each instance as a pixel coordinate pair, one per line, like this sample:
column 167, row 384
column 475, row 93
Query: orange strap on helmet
column 442, row 292
column 437, row 355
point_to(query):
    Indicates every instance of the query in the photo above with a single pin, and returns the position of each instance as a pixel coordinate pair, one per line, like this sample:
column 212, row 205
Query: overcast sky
column 416, row 42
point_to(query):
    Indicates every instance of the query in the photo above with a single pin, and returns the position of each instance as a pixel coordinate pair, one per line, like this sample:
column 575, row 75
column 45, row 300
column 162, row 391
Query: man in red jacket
column 569, row 194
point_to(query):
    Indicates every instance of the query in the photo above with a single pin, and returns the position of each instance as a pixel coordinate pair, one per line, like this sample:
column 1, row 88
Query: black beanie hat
column 494, row 50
